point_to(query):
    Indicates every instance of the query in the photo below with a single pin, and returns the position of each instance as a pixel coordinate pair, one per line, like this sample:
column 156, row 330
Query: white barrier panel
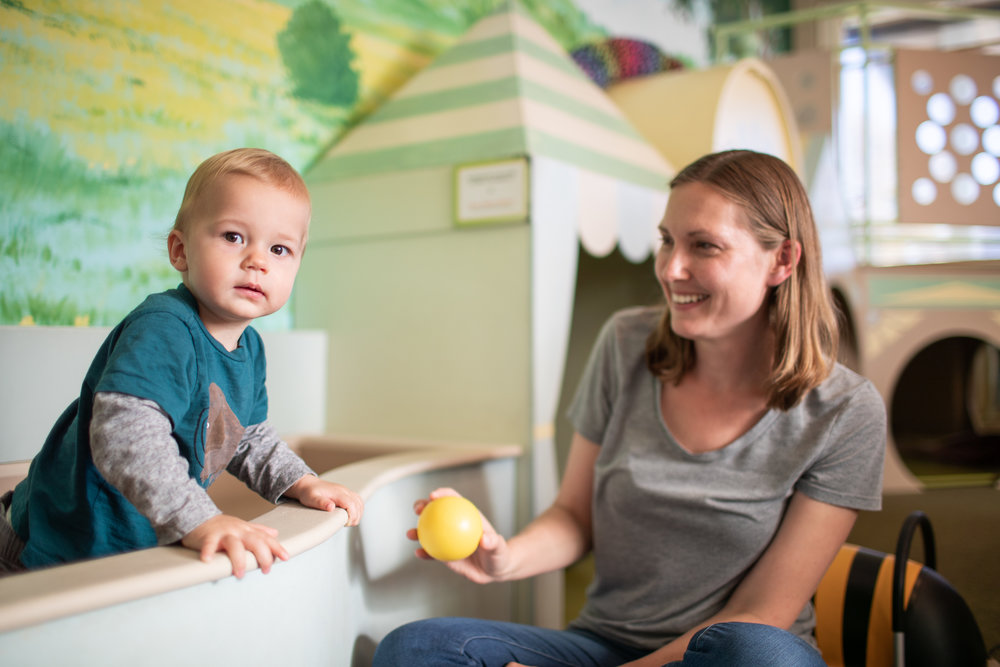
column 339, row 594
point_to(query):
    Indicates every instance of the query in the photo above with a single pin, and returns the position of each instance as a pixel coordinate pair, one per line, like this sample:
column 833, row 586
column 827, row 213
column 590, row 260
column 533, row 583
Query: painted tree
column 318, row 56
column 761, row 42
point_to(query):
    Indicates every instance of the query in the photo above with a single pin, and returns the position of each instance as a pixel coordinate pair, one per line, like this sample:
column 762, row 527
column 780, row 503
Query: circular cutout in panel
column 964, row 139
column 984, row 111
column 944, row 416
column 985, row 169
column 922, row 82
column 963, row 89
column 942, row 167
column 924, row 191
column 964, row 189
column 991, row 140
column 941, row 109
column 931, row 137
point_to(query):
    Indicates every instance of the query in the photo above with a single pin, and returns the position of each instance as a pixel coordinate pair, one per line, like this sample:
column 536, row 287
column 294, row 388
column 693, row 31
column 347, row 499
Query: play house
column 445, row 238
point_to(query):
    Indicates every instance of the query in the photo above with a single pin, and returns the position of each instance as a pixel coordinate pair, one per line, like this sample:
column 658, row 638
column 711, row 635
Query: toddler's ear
column 175, row 249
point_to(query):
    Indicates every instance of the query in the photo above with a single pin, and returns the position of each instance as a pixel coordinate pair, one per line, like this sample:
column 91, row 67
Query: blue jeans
column 440, row 642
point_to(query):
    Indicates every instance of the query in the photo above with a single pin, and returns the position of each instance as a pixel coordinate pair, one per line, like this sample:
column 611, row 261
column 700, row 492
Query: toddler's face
column 240, row 252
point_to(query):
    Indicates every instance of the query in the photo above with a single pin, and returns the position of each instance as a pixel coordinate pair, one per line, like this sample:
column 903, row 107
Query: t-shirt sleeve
column 153, row 358
column 848, row 473
column 591, row 408
column 255, row 342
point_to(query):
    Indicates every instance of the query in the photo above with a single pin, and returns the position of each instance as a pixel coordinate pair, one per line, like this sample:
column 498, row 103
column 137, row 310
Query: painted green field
column 108, row 107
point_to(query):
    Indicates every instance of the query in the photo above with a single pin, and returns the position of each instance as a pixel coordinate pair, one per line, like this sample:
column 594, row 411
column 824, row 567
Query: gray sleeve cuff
column 265, row 463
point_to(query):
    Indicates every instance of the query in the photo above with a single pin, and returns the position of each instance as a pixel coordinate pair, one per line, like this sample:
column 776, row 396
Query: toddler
column 176, row 393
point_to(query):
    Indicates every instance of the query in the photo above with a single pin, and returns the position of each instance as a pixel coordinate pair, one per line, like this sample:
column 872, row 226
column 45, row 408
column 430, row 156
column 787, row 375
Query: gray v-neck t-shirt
column 674, row 532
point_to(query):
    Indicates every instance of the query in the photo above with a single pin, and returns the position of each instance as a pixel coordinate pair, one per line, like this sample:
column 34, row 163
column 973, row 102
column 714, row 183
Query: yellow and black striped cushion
column 854, row 614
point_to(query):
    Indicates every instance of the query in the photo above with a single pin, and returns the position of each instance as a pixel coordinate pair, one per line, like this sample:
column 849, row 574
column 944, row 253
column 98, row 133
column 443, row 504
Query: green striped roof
column 505, row 89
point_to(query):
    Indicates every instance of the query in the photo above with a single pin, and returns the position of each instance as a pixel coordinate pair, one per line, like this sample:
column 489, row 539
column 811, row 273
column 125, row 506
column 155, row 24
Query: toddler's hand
column 236, row 536
column 314, row 492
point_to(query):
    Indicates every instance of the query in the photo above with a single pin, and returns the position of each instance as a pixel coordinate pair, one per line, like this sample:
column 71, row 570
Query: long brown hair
column 800, row 311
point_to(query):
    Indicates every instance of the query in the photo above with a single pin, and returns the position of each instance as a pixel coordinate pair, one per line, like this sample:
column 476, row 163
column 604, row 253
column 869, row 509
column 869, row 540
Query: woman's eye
column 233, row 237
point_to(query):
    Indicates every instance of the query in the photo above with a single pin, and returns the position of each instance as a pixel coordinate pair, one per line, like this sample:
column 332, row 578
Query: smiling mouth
column 684, row 299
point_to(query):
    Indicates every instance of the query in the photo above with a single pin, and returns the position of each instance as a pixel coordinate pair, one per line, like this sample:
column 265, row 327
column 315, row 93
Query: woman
column 719, row 458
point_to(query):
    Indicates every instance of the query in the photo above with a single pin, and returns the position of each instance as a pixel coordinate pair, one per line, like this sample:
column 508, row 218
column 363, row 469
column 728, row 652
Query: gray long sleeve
column 132, row 447
column 265, row 463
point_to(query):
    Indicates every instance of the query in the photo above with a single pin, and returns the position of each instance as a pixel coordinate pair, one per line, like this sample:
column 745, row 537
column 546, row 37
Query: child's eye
column 280, row 250
column 233, row 237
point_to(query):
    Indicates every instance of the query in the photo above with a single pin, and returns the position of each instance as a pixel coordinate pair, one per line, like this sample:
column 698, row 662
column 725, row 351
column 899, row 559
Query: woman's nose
column 674, row 265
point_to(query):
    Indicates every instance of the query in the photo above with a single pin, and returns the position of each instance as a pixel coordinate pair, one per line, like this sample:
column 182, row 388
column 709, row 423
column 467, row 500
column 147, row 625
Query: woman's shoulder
column 636, row 320
column 844, row 386
column 623, row 336
column 628, row 329
column 843, row 379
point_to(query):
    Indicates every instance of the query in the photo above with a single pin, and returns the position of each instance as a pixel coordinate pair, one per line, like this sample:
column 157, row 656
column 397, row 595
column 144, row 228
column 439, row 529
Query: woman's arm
column 558, row 537
column 778, row 586
column 561, row 535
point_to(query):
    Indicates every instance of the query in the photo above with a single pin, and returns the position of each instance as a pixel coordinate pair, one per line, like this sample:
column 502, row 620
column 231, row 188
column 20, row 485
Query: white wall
column 43, row 368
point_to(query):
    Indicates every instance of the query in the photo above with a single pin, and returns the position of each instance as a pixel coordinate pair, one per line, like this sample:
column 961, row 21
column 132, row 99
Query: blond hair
column 800, row 310
column 257, row 163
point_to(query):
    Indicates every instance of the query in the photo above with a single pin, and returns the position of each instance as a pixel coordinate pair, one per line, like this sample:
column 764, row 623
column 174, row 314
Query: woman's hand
column 488, row 563
column 556, row 538
column 236, row 536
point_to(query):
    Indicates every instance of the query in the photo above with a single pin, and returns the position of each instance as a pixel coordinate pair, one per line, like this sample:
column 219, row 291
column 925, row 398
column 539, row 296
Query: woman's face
column 714, row 273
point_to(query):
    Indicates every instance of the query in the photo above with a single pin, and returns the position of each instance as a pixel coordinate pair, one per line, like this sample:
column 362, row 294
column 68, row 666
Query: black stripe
column 858, row 605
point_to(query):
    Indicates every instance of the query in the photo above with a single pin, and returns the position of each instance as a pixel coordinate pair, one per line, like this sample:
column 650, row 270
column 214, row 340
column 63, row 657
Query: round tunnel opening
column 945, row 413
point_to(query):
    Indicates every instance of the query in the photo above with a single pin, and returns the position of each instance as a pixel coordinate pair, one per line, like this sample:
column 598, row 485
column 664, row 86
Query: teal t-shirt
column 65, row 510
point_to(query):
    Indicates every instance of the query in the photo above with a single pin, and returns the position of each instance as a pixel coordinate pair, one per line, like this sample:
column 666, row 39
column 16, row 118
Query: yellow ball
column 449, row 528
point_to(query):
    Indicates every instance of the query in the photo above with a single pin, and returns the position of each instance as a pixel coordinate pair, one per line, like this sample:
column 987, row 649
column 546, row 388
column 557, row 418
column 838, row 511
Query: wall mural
column 108, row 107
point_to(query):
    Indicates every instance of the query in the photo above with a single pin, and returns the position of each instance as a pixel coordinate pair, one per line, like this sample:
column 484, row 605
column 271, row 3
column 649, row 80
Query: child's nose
column 256, row 258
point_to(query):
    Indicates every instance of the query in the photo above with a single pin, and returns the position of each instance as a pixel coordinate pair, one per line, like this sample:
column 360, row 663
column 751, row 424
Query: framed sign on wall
column 493, row 192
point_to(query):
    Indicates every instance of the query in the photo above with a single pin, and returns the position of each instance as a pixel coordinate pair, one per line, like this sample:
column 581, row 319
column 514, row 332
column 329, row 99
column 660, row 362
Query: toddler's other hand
column 314, row 492
column 236, row 536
